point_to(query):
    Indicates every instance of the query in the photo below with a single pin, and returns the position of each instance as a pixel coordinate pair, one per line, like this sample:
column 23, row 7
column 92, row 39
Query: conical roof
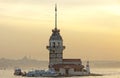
column 55, row 35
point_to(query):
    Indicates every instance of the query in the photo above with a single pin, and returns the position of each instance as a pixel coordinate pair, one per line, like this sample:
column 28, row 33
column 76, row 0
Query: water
column 108, row 73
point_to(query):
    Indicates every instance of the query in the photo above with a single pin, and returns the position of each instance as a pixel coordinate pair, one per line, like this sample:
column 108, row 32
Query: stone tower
column 55, row 45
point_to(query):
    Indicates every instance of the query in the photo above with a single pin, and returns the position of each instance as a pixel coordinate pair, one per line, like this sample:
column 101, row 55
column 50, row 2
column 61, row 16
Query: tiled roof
column 71, row 60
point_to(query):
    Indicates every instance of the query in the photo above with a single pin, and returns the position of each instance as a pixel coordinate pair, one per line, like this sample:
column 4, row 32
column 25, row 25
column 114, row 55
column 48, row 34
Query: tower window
column 54, row 44
column 58, row 43
column 53, row 51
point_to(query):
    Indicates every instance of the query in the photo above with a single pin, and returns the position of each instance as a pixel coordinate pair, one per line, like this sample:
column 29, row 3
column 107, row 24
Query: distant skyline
column 90, row 28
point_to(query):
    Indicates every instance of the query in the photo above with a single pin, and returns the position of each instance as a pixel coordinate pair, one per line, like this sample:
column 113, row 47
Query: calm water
column 109, row 73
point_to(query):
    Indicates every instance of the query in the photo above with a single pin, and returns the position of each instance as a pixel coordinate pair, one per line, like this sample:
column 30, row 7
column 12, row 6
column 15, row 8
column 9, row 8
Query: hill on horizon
column 32, row 63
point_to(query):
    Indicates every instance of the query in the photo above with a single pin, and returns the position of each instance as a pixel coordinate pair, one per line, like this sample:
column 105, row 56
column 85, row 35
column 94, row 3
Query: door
column 67, row 71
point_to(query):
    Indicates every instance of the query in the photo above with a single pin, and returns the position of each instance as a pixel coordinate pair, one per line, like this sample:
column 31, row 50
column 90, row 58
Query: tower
column 88, row 67
column 55, row 45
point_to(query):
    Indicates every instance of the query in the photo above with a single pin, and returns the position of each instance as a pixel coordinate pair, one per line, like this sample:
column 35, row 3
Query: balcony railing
column 55, row 47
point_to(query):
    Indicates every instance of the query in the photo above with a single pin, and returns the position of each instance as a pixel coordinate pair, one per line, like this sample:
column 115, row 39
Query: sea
column 107, row 73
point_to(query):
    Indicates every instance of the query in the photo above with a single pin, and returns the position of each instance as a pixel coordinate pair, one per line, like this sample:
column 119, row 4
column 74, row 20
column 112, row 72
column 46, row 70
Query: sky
column 90, row 28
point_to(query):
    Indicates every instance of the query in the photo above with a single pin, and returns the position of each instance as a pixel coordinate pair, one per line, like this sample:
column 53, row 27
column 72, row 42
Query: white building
column 56, row 61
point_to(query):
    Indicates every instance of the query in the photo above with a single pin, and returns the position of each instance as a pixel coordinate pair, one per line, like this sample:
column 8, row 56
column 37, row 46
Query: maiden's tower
column 56, row 60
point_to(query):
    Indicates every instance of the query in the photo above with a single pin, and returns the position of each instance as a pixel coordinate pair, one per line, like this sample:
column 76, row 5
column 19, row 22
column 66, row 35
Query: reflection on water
column 108, row 73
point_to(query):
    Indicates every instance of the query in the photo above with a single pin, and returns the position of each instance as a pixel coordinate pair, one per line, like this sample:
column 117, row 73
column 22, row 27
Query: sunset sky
column 90, row 28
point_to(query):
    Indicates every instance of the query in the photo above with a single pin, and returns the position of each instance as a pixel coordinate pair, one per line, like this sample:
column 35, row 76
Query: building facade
column 55, row 48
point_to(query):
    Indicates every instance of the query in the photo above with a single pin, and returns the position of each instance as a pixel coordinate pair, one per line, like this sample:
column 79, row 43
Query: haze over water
column 108, row 73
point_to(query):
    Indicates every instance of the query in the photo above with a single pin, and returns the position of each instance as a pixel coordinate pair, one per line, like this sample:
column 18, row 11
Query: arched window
column 54, row 44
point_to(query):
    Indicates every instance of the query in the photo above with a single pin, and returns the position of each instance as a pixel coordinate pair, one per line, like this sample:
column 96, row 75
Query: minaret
column 55, row 45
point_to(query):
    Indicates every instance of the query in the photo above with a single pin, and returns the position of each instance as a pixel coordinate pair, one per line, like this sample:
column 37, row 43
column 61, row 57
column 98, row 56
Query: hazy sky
column 90, row 28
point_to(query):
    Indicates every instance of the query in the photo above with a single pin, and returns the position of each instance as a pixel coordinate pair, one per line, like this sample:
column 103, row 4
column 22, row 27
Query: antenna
column 55, row 16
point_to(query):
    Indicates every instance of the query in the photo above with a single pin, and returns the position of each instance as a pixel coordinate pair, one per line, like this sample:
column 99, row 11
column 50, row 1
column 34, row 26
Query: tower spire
column 55, row 16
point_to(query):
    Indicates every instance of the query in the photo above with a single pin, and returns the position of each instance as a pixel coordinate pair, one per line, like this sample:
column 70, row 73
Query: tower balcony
column 55, row 47
column 47, row 47
column 64, row 47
